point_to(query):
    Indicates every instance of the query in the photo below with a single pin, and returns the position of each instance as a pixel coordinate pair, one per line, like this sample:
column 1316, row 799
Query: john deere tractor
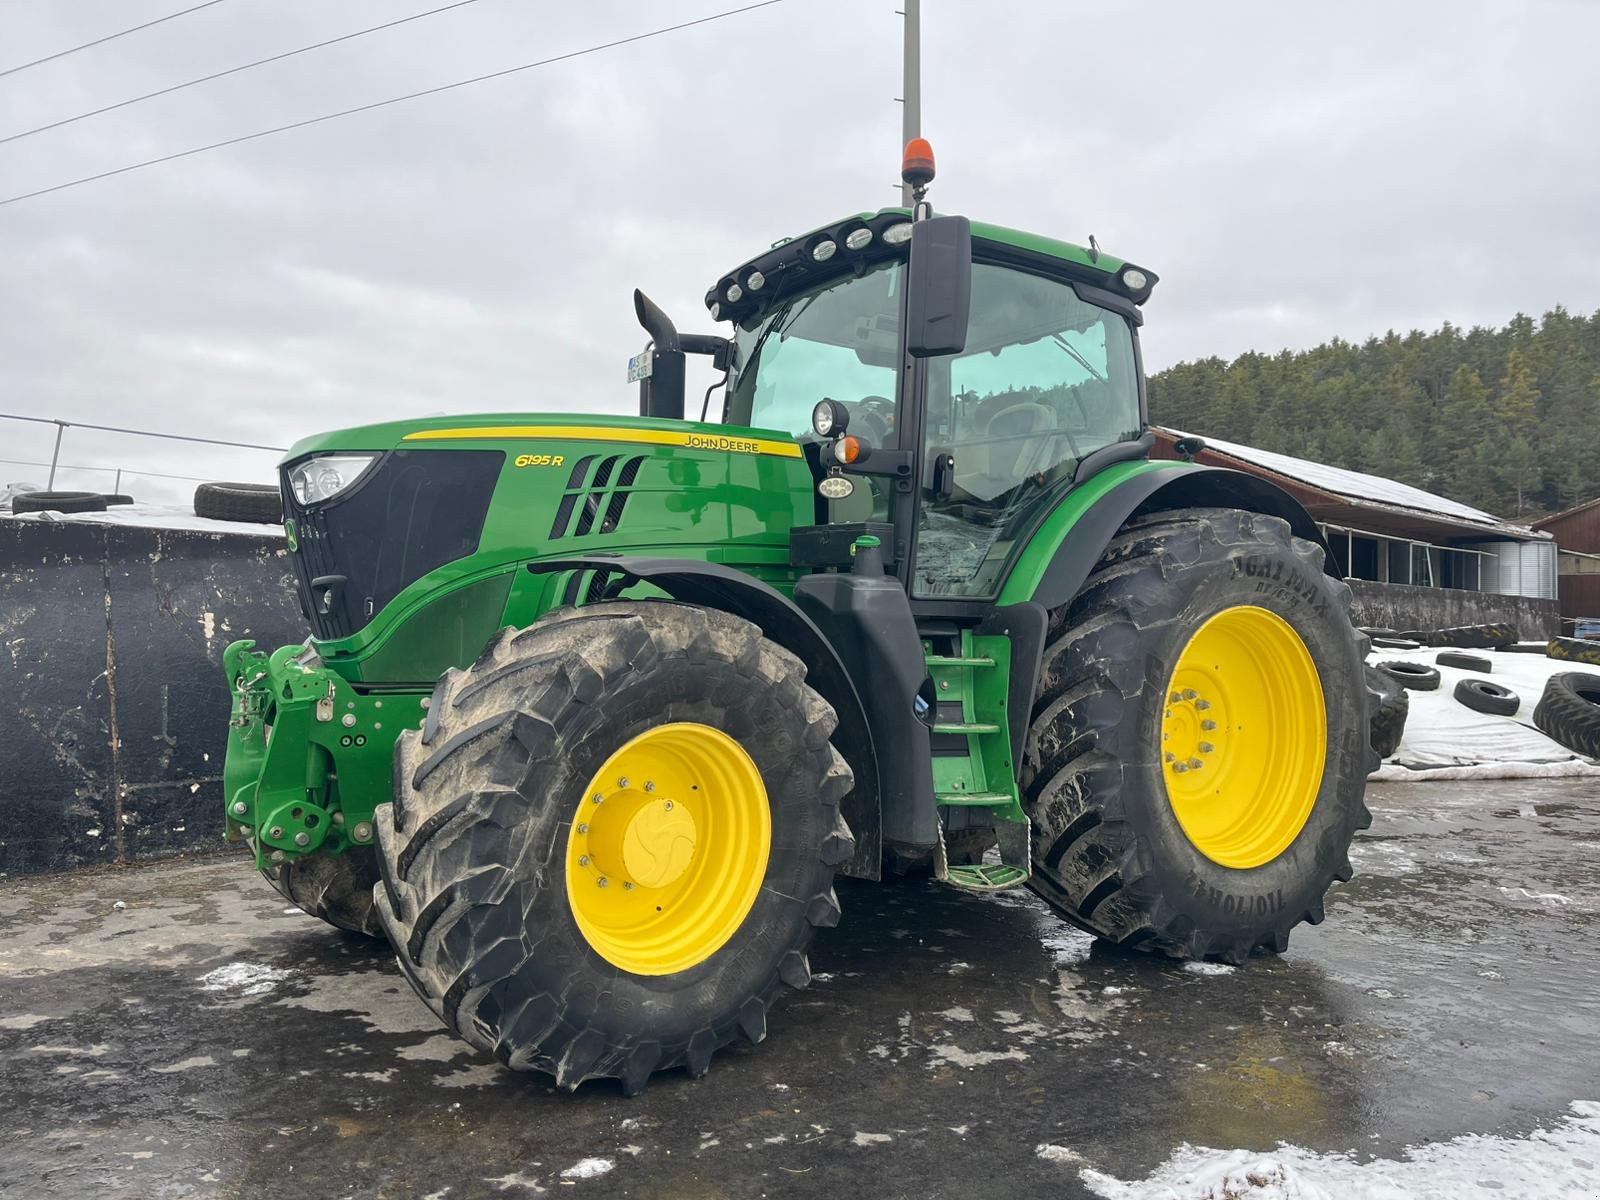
column 595, row 708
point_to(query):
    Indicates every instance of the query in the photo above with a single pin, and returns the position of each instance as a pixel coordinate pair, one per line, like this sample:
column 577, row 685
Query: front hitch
column 309, row 757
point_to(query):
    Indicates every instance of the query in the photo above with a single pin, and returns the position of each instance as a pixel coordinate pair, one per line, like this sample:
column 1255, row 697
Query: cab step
column 975, row 799
column 986, row 877
column 1013, row 870
column 948, row 660
column 966, row 727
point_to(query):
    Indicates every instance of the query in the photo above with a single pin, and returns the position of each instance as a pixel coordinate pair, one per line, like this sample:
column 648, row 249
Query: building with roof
column 1577, row 534
column 1415, row 560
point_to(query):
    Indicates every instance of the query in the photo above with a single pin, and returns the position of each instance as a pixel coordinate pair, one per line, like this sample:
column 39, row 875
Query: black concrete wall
column 1401, row 606
column 115, row 719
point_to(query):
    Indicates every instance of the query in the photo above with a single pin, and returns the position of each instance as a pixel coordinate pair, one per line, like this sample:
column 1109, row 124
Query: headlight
column 896, row 234
column 325, row 476
column 829, row 418
column 1134, row 279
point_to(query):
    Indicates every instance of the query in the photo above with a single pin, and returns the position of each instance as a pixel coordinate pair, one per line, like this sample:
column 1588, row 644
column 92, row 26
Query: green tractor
column 595, row 708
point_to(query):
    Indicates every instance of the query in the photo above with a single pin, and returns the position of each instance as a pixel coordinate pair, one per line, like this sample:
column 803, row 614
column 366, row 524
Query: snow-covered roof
column 152, row 516
column 1353, row 483
column 1363, row 488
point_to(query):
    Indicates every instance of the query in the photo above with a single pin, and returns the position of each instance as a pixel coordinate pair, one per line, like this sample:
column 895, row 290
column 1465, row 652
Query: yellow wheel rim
column 1244, row 737
column 668, row 849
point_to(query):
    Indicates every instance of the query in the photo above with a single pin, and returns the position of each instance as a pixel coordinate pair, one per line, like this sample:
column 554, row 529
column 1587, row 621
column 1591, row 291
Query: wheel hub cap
column 668, row 849
column 1243, row 737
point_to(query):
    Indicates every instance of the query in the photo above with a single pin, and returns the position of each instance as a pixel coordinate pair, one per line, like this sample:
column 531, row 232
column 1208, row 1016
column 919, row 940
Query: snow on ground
column 1558, row 1163
column 1444, row 739
column 153, row 516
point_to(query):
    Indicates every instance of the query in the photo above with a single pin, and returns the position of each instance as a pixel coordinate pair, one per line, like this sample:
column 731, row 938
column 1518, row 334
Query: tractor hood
column 410, row 539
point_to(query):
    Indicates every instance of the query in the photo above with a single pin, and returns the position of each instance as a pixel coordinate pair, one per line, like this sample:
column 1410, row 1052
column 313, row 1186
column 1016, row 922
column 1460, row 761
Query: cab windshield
column 1046, row 379
column 841, row 342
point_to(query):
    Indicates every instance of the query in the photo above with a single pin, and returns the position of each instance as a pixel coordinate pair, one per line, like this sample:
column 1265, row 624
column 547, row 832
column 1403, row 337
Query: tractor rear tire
column 336, row 888
column 532, row 831
column 1111, row 815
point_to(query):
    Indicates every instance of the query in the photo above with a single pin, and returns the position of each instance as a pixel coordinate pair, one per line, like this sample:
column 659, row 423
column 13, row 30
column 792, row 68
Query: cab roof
column 789, row 266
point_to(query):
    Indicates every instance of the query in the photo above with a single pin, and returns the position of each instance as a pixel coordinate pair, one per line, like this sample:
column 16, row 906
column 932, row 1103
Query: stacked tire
column 1569, row 712
column 248, row 503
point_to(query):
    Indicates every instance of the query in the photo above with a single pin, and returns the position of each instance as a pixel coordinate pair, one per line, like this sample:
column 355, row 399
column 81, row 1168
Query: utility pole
column 911, row 84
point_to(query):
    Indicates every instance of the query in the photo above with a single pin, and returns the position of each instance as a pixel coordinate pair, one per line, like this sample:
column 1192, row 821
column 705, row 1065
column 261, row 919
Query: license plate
column 639, row 366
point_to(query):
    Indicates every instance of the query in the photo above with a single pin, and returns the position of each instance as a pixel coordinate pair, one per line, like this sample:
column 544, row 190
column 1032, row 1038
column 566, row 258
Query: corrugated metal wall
column 1519, row 568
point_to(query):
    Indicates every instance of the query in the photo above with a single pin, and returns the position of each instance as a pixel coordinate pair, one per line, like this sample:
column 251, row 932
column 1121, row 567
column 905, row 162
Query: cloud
column 1292, row 173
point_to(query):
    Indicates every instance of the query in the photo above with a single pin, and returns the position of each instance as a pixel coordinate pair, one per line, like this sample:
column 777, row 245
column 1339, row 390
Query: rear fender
column 1149, row 488
column 1028, row 595
column 712, row 585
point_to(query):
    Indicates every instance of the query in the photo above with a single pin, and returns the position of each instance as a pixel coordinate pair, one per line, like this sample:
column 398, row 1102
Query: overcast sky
column 1292, row 171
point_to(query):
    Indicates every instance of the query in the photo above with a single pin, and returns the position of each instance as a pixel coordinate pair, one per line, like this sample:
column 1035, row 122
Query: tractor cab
column 949, row 382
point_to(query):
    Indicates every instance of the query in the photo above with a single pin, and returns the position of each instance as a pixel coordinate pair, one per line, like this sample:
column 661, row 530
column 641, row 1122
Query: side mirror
column 939, row 287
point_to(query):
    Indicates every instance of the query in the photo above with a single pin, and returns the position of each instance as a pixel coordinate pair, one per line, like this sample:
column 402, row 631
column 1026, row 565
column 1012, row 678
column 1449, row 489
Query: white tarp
column 1444, row 739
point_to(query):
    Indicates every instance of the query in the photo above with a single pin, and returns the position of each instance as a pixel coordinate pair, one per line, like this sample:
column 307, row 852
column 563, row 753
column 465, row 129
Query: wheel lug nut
column 1171, row 757
column 1208, row 724
column 583, row 829
column 1173, row 699
column 1180, row 768
column 667, row 807
column 597, row 797
column 1202, row 705
column 627, row 885
column 1206, row 747
column 1190, row 693
column 1195, row 764
column 603, row 881
column 649, row 785
column 583, row 860
column 622, row 782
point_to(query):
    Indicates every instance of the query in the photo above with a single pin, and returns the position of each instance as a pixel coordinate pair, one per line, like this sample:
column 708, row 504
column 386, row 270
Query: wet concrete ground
column 203, row 1042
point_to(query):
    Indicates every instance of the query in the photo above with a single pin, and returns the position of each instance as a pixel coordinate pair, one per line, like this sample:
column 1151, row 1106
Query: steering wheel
column 873, row 416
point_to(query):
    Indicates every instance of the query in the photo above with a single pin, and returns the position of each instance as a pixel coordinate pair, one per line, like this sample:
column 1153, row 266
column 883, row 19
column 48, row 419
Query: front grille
column 413, row 511
column 595, row 505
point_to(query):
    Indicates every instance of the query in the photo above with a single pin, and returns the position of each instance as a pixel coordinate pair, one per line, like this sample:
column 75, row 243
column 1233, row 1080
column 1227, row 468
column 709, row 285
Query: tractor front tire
column 336, row 888
column 612, row 841
column 1200, row 742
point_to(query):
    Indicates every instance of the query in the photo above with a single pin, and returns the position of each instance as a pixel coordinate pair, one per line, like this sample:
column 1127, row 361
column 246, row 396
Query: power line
column 348, row 112
column 110, row 37
column 172, row 437
column 260, row 62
